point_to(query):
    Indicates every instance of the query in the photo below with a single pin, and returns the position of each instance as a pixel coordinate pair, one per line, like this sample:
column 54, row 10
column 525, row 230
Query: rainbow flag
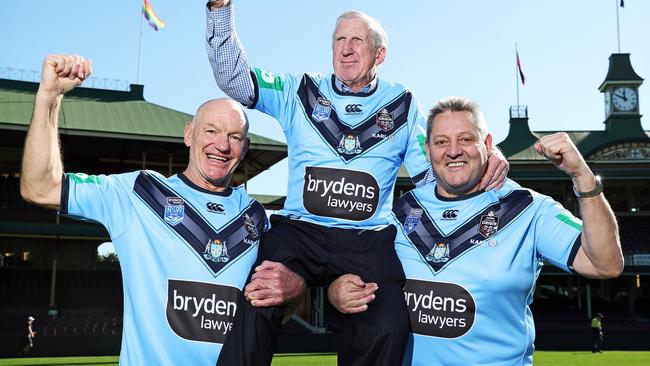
column 151, row 17
column 521, row 72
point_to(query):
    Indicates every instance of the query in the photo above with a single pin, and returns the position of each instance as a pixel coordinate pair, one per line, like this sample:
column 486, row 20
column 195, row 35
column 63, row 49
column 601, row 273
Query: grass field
column 542, row 358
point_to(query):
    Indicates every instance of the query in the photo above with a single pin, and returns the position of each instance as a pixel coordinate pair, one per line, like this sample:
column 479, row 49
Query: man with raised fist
column 470, row 281
column 183, row 268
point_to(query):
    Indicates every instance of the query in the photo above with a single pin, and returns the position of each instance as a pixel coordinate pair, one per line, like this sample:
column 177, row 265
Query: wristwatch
column 593, row 193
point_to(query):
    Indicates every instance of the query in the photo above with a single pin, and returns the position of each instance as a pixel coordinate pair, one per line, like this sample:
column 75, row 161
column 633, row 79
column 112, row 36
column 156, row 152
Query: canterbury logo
column 215, row 207
column 450, row 214
column 353, row 108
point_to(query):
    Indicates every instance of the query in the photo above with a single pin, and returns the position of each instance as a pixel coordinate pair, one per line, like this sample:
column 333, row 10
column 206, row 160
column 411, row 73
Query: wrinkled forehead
column 355, row 25
column 456, row 122
column 224, row 117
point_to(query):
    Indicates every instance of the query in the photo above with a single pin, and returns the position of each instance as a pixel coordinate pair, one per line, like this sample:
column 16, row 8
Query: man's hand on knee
column 350, row 295
column 274, row 284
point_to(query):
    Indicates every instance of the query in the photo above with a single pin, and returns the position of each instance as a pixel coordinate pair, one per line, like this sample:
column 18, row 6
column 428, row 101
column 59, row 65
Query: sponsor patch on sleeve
column 570, row 220
column 268, row 80
column 84, row 178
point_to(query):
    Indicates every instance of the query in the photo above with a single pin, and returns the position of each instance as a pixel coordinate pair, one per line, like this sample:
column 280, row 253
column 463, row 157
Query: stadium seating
column 635, row 234
column 14, row 208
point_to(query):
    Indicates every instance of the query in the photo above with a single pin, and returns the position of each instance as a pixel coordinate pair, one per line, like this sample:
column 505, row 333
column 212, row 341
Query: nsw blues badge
column 412, row 220
column 174, row 210
column 322, row 109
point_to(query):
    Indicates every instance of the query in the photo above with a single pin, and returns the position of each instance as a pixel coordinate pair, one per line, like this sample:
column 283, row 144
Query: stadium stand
column 83, row 315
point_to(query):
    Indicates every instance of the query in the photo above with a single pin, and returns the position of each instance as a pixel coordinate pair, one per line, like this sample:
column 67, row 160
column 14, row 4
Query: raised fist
column 62, row 73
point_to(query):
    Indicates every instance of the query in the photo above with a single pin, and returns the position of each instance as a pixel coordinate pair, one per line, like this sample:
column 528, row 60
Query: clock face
column 624, row 99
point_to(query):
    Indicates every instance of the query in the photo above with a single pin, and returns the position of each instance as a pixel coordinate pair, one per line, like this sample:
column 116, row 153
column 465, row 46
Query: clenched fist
column 563, row 153
column 62, row 73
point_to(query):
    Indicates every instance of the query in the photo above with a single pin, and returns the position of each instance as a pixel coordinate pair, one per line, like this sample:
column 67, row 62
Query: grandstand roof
column 100, row 112
column 106, row 115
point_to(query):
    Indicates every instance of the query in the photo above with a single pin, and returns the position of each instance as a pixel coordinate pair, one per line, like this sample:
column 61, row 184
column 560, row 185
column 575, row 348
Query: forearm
column 42, row 169
column 601, row 246
column 227, row 57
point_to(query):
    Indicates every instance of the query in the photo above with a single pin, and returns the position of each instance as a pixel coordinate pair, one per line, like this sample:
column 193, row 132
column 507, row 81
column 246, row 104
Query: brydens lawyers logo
column 341, row 193
column 439, row 309
column 200, row 311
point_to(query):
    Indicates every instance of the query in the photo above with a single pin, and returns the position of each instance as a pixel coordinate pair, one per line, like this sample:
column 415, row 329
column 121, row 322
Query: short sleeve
column 98, row 198
column 557, row 234
column 415, row 160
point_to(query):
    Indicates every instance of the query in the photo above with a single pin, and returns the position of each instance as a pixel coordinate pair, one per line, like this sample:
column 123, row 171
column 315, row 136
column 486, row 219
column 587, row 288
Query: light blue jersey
column 345, row 150
column 471, row 265
column 185, row 254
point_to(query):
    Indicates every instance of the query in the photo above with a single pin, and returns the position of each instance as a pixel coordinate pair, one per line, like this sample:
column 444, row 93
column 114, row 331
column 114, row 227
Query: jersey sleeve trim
column 574, row 251
column 65, row 194
column 256, row 90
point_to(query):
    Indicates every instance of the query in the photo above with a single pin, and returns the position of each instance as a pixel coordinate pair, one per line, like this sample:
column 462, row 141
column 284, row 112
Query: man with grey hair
column 348, row 134
column 471, row 257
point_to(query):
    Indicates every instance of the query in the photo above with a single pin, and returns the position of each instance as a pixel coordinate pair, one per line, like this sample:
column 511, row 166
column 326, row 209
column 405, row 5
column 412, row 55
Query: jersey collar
column 344, row 89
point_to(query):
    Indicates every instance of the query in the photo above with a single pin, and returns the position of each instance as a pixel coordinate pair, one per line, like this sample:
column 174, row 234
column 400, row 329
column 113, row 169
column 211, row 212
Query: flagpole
column 618, row 29
column 517, row 74
column 137, row 78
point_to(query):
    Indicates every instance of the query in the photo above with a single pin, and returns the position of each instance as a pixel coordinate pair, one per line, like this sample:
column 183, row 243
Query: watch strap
column 592, row 193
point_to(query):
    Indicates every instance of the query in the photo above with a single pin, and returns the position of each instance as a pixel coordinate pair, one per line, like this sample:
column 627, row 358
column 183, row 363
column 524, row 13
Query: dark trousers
column 597, row 339
column 376, row 336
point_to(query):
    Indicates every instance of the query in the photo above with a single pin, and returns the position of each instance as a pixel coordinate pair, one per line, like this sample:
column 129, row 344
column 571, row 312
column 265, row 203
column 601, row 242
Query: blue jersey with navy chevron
column 471, row 265
column 184, row 252
column 345, row 150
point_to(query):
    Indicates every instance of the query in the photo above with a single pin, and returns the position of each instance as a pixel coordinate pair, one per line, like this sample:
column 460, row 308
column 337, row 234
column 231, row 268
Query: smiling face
column 354, row 55
column 218, row 141
column 457, row 152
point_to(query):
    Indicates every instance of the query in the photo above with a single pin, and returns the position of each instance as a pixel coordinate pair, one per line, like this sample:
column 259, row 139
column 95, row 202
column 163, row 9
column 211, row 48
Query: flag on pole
column 521, row 73
column 622, row 4
column 151, row 17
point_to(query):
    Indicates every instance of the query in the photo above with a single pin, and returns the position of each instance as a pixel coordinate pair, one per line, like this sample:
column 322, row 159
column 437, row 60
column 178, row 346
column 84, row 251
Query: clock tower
column 621, row 90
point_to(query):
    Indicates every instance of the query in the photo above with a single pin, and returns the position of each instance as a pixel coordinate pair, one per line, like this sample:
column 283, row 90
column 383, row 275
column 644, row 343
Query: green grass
column 586, row 358
column 542, row 358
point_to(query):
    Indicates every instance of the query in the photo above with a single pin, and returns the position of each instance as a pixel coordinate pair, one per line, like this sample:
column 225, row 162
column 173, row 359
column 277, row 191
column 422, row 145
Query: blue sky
column 436, row 48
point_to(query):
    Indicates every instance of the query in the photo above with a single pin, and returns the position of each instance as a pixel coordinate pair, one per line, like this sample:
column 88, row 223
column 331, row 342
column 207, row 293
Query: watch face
column 624, row 99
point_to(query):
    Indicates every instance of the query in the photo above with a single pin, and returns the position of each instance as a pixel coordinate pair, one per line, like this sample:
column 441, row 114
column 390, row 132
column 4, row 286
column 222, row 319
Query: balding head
column 222, row 105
